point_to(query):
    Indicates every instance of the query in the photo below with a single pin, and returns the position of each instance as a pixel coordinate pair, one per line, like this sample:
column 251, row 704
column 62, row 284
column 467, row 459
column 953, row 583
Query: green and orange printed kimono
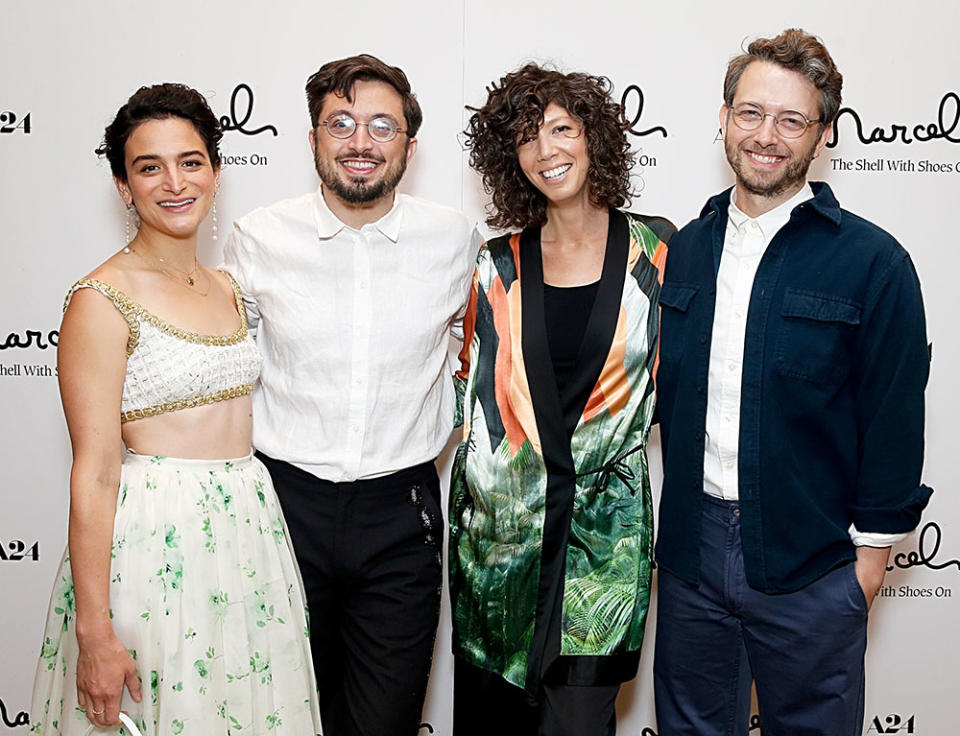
column 551, row 523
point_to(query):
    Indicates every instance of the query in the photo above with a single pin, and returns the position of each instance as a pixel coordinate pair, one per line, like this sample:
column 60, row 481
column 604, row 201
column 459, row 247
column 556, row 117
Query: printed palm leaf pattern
column 607, row 582
column 497, row 501
column 499, row 559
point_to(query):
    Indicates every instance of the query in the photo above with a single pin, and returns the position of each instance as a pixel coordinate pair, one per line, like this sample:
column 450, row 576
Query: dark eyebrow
column 155, row 157
column 145, row 157
column 372, row 117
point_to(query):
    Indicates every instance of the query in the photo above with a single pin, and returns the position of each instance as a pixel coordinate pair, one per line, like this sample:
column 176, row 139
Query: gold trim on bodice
column 134, row 312
column 152, row 411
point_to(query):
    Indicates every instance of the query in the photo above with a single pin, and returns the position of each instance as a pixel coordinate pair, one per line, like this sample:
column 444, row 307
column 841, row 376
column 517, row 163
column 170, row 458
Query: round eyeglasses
column 789, row 123
column 381, row 128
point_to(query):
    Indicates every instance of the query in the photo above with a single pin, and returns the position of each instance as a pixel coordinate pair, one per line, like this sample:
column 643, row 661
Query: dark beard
column 358, row 191
column 795, row 173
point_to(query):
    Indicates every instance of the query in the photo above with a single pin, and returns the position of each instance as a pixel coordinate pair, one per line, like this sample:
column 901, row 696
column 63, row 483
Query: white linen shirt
column 354, row 327
column 744, row 244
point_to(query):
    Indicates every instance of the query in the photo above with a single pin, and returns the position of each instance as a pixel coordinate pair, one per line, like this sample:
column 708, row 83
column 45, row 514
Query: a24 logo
column 9, row 124
column 893, row 723
column 17, row 549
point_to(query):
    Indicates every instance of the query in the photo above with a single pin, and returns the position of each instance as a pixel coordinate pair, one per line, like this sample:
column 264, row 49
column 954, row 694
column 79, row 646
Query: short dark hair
column 157, row 102
column 514, row 108
column 798, row 51
column 339, row 77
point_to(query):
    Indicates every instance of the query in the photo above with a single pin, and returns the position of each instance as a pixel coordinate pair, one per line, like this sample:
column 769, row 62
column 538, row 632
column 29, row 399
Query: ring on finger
column 98, row 712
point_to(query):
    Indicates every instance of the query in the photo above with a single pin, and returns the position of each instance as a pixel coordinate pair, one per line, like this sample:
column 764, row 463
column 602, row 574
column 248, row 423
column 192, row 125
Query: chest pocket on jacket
column 675, row 319
column 816, row 336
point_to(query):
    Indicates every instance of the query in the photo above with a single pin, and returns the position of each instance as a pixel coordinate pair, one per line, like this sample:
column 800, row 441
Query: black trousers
column 484, row 704
column 370, row 557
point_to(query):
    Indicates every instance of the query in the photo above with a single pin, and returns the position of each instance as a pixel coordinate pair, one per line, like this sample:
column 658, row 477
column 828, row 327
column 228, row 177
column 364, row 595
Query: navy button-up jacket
column 831, row 417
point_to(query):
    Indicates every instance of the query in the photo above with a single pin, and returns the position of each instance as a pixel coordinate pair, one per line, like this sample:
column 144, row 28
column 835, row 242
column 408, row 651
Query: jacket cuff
column 460, row 388
column 899, row 520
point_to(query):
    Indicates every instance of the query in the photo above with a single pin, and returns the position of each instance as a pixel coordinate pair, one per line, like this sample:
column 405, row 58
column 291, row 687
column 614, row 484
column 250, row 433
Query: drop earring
column 130, row 224
column 214, row 224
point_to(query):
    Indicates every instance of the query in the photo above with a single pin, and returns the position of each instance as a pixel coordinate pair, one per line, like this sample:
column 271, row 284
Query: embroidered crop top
column 169, row 368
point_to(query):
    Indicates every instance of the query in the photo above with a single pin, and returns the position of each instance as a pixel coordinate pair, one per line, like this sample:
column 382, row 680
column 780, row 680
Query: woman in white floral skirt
column 178, row 600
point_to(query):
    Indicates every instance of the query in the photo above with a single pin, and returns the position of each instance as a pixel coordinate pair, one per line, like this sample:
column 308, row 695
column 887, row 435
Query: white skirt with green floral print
column 206, row 596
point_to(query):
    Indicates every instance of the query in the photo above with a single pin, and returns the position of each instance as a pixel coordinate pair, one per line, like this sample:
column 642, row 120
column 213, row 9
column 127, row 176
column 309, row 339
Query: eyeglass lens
column 789, row 123
column 381, row 129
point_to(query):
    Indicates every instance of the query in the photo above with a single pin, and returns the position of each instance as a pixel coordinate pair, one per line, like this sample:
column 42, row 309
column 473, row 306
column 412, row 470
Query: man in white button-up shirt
column 793, row 362
column 354, row 291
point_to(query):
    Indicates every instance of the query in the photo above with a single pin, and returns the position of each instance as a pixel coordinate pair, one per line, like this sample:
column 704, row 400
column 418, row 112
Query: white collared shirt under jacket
column 744, row 244
column 354, row 327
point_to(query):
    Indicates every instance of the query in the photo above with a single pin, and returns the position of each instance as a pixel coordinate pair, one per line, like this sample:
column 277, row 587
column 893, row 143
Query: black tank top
column 566, row 311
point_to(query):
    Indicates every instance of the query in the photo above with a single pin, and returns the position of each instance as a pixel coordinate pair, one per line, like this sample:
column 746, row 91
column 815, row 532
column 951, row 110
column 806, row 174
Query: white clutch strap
column 125, row 719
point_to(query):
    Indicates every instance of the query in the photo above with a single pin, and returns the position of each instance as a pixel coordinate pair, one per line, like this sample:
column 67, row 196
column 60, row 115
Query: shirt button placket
column 360, row 354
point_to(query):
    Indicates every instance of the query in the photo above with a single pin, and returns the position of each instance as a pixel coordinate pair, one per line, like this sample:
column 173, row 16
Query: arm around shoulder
column 237, row 262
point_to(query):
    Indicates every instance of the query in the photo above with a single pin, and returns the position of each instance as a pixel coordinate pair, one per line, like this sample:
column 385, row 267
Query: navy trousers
column 805, row 649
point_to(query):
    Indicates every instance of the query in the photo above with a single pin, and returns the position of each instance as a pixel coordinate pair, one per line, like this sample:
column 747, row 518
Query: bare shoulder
column 119, row 279
column 220, row 279
column 100, row 316
column 94, row 334
column 96, row 337
column 118, row 271
column 223, row 284
column 94, row 313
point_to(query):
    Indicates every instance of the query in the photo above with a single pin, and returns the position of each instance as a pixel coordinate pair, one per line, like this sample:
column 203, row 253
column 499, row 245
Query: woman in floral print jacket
column 551, row 518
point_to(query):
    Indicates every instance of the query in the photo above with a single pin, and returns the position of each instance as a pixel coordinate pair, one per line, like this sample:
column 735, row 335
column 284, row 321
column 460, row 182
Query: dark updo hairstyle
column 514, row 109
column 158, row 102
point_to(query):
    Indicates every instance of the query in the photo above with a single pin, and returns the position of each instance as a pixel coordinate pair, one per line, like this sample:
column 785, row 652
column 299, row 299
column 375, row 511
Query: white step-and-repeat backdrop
column 66, row 67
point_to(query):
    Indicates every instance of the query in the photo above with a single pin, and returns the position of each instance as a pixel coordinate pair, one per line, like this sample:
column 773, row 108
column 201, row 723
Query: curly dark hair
column 514, row 109
column 158, row 102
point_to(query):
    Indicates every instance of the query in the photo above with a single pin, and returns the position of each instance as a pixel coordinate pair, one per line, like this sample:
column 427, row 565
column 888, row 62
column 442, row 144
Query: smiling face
column 770, row 168
column 358, row 170
column 169, row 177
column 556, row 160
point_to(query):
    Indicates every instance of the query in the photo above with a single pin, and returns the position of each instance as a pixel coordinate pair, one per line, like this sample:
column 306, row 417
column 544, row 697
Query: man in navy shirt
column 793, row 362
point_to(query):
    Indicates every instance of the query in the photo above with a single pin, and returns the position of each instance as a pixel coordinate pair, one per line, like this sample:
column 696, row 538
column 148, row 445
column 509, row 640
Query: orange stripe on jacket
column 469, row 328
column 510, row 376
column 612, row 391
column 660, row 261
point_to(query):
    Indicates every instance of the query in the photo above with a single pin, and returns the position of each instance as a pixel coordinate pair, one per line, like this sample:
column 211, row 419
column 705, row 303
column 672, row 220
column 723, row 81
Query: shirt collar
column 769, row 222
column 329, row 225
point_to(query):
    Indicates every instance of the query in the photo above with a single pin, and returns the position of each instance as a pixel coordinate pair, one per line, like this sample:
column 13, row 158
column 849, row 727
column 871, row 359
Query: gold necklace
column 187, row 275
column 163, row 267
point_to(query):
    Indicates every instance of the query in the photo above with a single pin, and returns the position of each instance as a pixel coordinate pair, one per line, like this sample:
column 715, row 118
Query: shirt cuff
column 874, row 539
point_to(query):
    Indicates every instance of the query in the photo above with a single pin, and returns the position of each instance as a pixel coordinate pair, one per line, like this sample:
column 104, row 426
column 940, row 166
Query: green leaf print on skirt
column 205, row 595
